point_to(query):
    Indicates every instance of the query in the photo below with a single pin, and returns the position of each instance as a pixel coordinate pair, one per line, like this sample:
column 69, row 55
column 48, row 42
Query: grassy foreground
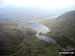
column 14, row 41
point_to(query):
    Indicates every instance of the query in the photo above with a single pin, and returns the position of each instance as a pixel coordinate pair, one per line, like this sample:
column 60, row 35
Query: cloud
column 41, row 3
column 1, row 2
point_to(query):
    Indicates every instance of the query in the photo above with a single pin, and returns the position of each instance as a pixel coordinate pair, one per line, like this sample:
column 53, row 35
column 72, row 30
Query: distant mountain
column 18, row 14
column 12, row 13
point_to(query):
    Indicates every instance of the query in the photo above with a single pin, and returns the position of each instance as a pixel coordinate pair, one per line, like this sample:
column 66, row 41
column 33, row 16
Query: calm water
column 39, row 28
column 36, row 26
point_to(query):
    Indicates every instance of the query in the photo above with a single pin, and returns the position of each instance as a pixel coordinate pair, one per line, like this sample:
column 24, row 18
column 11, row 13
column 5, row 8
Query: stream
column 39, row 28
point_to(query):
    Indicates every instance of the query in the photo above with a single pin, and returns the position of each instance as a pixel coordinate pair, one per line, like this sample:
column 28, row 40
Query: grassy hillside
column 15, row 41
column 63, row 30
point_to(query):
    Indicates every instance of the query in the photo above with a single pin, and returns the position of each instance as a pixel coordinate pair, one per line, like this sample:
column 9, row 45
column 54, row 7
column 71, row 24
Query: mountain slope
column 66, row 24
column 63, row 30
column 14, row 41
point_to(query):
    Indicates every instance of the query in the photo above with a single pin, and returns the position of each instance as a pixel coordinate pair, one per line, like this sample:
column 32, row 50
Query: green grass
column 15, row 42
column 63, row 30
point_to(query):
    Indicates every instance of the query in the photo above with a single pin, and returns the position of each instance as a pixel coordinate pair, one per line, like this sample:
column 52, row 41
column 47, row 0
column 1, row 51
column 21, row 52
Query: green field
column 63, row 30
column 15, row 42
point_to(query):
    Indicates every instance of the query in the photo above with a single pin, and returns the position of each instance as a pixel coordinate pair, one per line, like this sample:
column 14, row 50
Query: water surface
column 39, row 28
column 36, row 26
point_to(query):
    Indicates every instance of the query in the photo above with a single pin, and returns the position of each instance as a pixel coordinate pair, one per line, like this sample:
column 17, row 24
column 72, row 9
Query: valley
column 31, row 39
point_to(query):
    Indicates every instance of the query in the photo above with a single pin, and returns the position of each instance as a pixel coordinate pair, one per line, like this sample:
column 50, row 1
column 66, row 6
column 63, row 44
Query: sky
column 35, row 8
column 39, row 3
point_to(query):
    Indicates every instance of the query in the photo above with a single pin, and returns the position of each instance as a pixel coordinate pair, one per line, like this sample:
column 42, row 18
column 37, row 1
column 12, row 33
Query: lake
column 39, row 28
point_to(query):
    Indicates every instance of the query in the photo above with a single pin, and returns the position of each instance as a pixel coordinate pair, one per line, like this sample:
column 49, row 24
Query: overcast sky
column 39, row 3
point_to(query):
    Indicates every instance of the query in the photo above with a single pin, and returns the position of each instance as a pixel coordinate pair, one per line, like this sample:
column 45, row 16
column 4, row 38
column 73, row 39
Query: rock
column 29, row 33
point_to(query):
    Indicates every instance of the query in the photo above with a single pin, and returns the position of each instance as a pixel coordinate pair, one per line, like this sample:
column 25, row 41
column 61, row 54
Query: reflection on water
column 36, row 26
column 40, row 29
column 47, row 39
